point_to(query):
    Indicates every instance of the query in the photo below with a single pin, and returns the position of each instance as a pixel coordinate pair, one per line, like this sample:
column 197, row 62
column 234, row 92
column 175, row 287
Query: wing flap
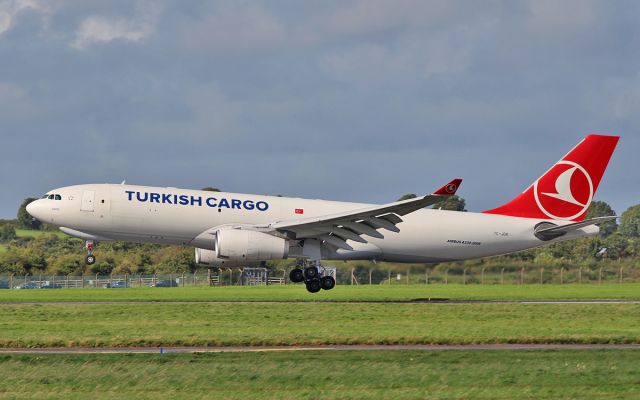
column 382, row 223
column 394, row 219
column 362, row 228
column 346, row 234
column 336, row 241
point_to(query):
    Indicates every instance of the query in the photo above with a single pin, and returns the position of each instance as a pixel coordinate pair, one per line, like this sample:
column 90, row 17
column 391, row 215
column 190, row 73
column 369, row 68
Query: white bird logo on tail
column 563, row 188
column 564, row 192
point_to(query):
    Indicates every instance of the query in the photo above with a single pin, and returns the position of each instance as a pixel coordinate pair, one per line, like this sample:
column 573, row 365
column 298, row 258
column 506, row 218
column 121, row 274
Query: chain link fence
column 344, row 276
column 248, row 276
column 492, row 276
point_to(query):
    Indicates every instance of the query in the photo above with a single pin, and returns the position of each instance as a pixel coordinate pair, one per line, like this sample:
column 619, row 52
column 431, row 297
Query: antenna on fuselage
column 123, row 182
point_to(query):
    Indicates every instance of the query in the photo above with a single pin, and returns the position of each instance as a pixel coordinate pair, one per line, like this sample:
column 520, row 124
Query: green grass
column 340, row 293
column 33, row 233
column 567, row 374
column 3, row 248
column 220, row 324
column 166, row 316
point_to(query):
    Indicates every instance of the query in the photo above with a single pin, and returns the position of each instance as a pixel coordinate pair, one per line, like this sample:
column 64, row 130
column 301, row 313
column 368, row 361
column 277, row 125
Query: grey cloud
column 353, row 100
column 96, row 29
column 618, row 98
column 15, row 102
column 235, row 27
column 11, row 11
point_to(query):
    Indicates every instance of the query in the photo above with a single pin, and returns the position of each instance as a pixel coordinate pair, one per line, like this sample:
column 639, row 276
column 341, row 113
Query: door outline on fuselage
column 88, row 200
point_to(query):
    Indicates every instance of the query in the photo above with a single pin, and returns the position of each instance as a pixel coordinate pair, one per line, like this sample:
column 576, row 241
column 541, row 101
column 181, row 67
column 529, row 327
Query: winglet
column 450, row 188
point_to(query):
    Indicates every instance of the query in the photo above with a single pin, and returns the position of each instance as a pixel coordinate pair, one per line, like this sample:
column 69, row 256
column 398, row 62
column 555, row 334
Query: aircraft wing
column 336, row 229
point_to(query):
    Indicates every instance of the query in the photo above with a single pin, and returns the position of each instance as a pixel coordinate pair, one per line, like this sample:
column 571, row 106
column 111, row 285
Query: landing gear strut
column 90, row 259
column 312, row 277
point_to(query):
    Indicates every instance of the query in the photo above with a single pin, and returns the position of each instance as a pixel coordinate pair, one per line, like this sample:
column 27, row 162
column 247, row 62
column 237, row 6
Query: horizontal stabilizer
column 548, row 231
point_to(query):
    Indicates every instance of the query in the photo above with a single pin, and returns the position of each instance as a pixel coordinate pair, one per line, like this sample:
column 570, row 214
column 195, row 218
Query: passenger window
column 58, row 197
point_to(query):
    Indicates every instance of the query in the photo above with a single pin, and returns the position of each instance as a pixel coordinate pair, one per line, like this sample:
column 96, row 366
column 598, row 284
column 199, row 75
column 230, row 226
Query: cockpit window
column 51, row 197
column 45, row 196
column 58, row 197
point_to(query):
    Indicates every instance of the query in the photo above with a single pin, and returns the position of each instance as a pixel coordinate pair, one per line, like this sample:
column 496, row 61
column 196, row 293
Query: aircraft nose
column 35, row 209
column 30, row 208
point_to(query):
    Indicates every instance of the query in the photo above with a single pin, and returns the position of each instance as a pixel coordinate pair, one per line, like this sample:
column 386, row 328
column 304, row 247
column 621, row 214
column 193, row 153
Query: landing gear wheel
column 327, row 282
column 313, row 285
column 311, row 273
column 296, row 275
column 90, row 259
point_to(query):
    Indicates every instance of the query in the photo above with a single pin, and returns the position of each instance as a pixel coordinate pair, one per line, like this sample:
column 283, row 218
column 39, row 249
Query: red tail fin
column 565, row 191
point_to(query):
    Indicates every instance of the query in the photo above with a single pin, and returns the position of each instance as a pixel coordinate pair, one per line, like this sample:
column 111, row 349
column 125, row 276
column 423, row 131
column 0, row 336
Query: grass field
column 220, row 324
column 340, row 293
column 288, row 315
column 567, row 374
column 182, row 317
column 32, row 233
column 174, row 317
column 3, row 248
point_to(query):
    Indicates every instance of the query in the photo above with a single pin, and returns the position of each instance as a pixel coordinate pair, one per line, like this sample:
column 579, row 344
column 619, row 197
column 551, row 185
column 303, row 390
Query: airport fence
column 353, row 276
column 247, row 276
column 493, row 276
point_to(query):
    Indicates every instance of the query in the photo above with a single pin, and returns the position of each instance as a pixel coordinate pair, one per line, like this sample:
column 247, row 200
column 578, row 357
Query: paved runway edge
column 249, row 349
column 411, row 301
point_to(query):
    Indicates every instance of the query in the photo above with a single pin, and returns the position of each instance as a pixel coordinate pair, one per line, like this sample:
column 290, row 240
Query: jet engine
column 209, row 257
column 241, row 247
column 251, row 246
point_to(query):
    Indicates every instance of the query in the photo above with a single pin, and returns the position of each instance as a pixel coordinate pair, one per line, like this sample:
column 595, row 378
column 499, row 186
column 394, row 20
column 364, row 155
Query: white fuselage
column 178, row 216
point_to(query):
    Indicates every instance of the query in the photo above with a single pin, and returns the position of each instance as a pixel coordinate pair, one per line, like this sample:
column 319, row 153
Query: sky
column 354, row 100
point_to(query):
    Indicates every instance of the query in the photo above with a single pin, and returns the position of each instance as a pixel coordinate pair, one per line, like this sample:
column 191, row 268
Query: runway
column 261, row 349
column 410, row 301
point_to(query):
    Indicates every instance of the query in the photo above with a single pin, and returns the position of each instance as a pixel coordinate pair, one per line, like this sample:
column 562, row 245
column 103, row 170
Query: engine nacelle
column 241, row 245
column 209, row 257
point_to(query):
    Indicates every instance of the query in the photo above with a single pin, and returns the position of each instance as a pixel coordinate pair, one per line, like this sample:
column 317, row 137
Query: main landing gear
column 312, row 278
column 90, row 259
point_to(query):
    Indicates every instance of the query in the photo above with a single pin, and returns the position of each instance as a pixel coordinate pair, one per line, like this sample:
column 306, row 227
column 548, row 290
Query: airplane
column 232, row 229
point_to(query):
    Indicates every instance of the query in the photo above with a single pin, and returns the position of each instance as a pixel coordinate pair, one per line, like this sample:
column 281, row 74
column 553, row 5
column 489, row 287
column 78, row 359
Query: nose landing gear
column 313, row 278
column 90, row 259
